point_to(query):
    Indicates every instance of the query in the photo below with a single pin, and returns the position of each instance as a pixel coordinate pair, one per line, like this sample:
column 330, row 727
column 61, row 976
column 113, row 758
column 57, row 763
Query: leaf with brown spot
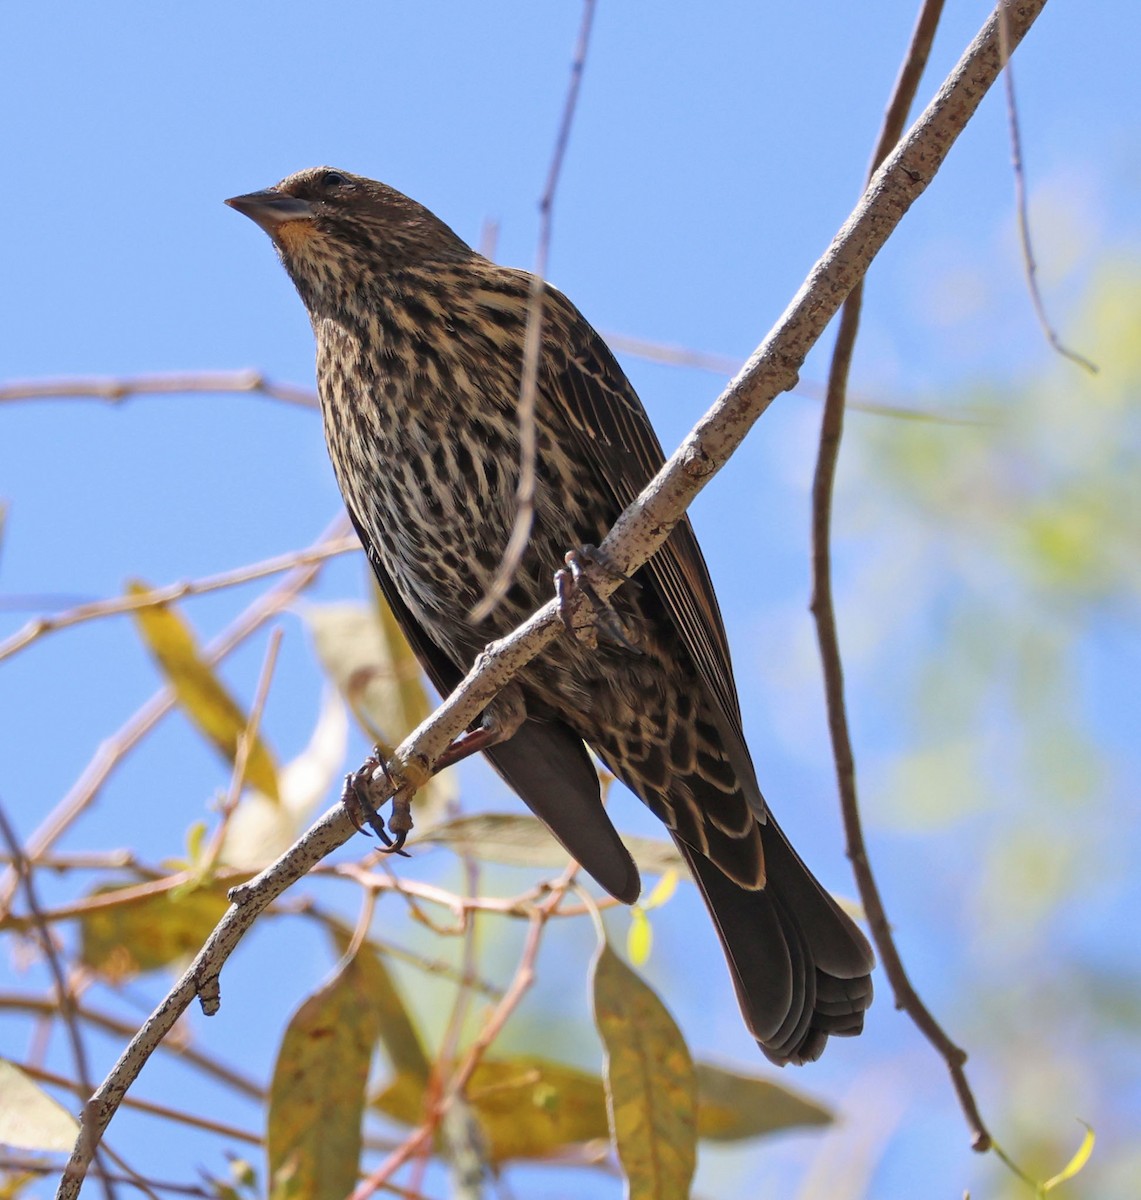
column 201, row 694
column 149, row 933
column 317, row 1096
column 650, row 1083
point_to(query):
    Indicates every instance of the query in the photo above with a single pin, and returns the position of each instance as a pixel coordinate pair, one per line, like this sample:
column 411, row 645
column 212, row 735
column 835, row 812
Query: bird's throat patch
column 295, row 234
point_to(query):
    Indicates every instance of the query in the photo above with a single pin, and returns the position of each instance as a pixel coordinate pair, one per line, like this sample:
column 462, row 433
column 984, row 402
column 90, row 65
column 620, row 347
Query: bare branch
column 831, row 431
column 246, row 741
column 1029, row 263
column 533, row 340
column 66, row 1005
column 636, row 535
column 178, row 1116
column 115, row 748
column 521, row 983
column 174, row 592
column 115, row 391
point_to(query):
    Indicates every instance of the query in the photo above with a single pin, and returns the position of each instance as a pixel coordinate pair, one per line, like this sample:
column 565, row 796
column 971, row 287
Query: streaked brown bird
column 419, row 363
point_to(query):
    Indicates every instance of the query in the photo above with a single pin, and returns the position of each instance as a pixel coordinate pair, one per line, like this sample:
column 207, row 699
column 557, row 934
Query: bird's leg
column 574, row 584
column 499, row 721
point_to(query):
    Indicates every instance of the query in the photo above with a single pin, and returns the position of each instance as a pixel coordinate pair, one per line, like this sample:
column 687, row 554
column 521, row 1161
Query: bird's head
column 331, row 228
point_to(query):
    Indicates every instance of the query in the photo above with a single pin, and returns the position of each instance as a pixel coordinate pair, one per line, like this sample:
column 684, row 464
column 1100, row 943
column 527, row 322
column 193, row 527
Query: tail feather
column 800, row 967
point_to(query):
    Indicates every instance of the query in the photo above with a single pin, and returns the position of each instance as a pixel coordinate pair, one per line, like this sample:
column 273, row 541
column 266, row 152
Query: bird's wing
column 615, row 433
column 545, row 763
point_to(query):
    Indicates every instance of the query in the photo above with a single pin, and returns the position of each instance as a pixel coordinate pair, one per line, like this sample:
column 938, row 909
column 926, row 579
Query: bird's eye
column 332, row 179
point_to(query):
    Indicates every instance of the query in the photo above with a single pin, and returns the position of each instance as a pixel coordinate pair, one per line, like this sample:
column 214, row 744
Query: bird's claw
column 363, row 814
column 574, row 581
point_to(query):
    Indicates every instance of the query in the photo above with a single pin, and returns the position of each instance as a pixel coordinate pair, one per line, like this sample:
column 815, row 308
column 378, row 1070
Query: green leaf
column 30, row 1119
column 732, row 1107
column 149, row 933
column 650, row 1083
column 520, row 840
column 200, row 692
column 317, row 1096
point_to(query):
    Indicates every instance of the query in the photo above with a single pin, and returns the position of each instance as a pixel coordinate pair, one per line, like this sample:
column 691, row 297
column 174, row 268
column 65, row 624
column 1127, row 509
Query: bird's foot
column 500, row 720
column 356, row 798
column 575, row 583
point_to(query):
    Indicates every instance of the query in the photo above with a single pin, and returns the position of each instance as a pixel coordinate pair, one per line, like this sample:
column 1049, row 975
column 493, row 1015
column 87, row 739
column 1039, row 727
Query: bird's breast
column 427, row 458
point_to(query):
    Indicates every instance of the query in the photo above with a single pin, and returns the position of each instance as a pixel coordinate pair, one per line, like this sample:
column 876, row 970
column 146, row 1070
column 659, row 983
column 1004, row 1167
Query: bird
column 419, row 359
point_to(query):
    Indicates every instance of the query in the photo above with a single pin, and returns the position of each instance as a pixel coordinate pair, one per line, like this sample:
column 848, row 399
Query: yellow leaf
column 663, row 890
column 528, row 1107
column 650, row 1083
column 146, row 934
column 640, row 938
column 407, row 675
column 1075, row 1164
column 317, row 1096
column 200, row 692
column 195, row 842
column 30, row 1119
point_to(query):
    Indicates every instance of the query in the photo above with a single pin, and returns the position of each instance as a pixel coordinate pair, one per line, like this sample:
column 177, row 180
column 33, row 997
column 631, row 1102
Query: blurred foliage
column 1004, row 582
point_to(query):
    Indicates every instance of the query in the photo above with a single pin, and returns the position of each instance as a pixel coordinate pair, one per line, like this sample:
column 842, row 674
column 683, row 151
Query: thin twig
column 522, row 981
column 532, row 343
column 638, row 532
column 31, row 1166
column 461, row 1147
column 174, row 592
column 823, row 608
column 246, row 742
column 66, row 1007
column 115, row 391
column 117, row 898
column 114, row 749
column 153, row 1108
column 723, row 364
column 233, row 1079
column 1029, row 263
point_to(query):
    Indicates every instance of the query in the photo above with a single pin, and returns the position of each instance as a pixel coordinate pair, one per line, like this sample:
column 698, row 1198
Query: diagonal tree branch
column 637, row 534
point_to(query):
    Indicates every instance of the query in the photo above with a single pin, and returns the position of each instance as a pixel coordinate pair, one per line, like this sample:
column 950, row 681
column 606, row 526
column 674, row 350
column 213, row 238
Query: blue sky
column 712, row 158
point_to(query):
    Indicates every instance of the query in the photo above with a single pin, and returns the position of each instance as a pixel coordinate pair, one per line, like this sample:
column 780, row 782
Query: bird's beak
column 271, row 209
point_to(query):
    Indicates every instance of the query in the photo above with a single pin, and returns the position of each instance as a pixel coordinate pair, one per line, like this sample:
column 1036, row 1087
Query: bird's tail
column 800, row 966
